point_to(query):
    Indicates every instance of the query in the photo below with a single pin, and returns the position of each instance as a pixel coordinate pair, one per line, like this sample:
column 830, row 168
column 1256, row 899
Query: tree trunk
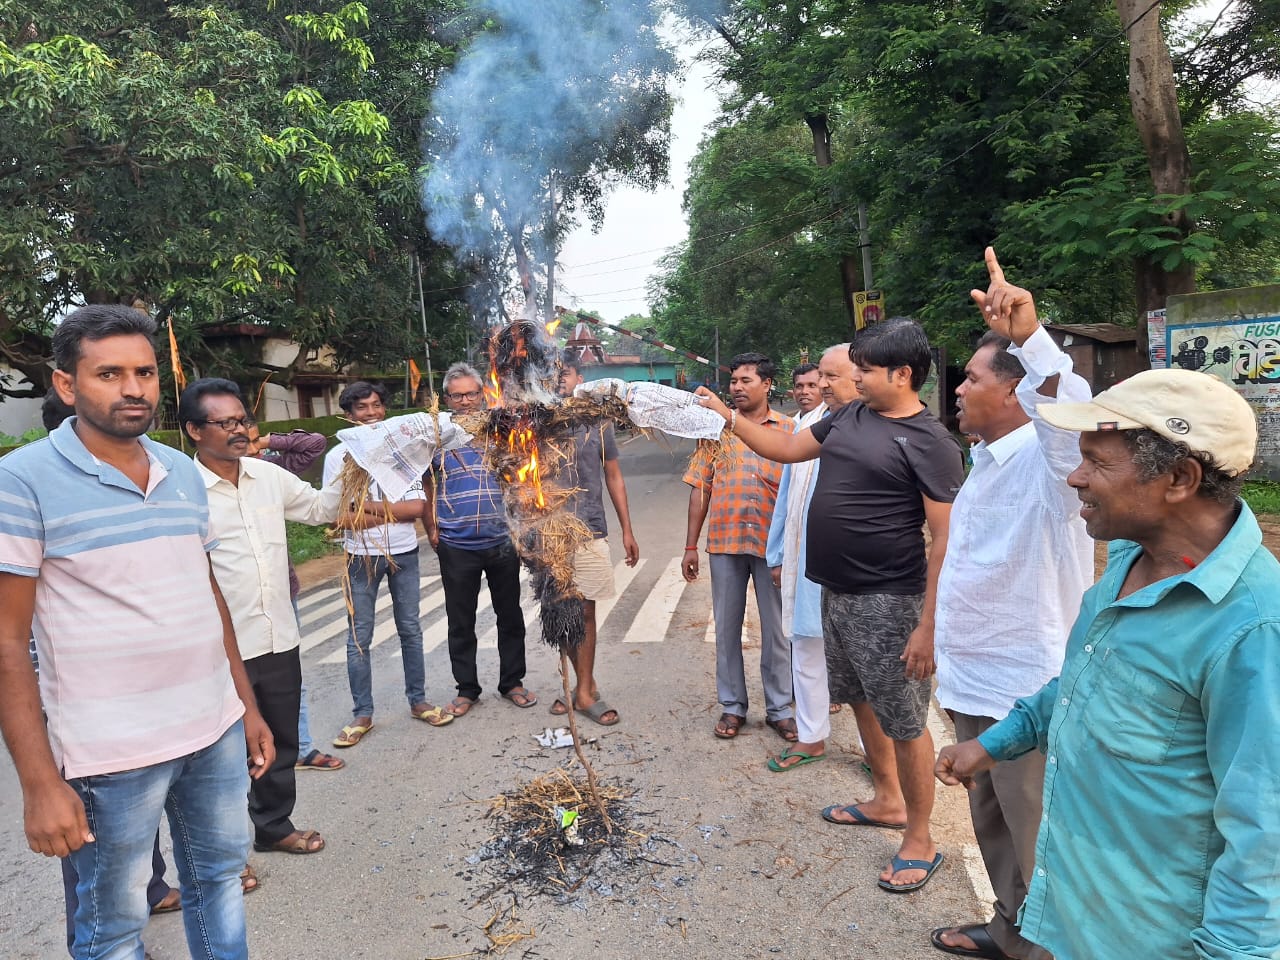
column 1153, row 97
column 850, row 278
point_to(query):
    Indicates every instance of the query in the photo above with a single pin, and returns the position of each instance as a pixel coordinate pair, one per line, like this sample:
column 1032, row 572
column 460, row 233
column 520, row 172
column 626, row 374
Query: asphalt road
column 737, row 861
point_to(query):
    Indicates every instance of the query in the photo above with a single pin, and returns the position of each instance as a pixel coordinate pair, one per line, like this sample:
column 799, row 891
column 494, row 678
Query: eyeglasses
column 469, row 395
column 230, row 423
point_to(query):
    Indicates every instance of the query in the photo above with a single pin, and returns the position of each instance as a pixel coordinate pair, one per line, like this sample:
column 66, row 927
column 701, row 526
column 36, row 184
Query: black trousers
column 460, row 572
column 277, row 683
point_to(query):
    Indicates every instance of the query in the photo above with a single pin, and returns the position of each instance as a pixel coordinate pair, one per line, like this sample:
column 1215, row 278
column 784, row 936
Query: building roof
column 1102, row 332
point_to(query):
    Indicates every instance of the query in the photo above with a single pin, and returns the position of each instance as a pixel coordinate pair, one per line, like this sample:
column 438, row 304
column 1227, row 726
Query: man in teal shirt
column 1160, row 803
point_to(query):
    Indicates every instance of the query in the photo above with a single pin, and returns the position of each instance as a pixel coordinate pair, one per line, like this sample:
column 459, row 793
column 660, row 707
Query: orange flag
column 415, row 378
column 179, row 378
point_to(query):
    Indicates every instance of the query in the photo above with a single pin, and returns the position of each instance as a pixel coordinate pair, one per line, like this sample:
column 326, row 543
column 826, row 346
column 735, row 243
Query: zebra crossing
column 651, row 603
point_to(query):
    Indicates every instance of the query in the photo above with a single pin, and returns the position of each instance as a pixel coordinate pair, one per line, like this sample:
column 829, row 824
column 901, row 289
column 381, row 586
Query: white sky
column 640, row 227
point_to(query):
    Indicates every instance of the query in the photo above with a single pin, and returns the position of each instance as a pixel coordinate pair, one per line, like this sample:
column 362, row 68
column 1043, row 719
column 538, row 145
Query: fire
column 524, row 442
column 552, row 327
column 493, row 390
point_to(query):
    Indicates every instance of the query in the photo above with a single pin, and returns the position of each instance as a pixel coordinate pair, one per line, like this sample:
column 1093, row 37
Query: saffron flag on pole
column 179, row 378
column 415, row 378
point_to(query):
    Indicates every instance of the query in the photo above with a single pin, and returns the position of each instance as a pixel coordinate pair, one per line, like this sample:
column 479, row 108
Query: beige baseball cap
column 1182, row 405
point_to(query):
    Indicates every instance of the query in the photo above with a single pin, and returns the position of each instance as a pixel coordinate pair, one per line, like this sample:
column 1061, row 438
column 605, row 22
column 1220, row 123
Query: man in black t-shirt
column 888, row 468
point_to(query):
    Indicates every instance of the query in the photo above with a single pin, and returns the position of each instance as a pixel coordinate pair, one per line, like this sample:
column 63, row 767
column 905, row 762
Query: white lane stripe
column 622, row 577
column 651, row 623
column 313, row 636
column 385, row 630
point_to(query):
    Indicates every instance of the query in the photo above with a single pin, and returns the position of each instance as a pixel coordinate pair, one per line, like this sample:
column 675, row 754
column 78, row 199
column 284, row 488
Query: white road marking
column 651, row 623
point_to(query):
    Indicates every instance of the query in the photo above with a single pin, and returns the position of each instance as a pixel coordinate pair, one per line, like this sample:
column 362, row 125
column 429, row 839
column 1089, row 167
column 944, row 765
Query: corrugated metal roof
column 1103, row 332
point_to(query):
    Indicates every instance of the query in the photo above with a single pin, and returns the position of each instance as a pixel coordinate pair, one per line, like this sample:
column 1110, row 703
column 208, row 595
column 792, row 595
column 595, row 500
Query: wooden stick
column 596, row 799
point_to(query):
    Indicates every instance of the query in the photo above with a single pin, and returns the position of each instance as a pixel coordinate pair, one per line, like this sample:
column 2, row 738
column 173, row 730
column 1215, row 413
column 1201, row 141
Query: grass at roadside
column 1263, row 496
column 307, row 543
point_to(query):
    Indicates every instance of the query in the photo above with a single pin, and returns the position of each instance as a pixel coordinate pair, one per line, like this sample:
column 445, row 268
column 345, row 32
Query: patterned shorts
column 865, row 636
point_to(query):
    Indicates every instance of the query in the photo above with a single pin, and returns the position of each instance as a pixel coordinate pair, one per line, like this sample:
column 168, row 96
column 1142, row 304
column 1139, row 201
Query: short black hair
column 96, row 322
column 53, row 411
column 362, row 390
column 572, row 362
column 766, row 369
column 801, row 370
column 1004, row 364
column 893, row 344
column 191, row 403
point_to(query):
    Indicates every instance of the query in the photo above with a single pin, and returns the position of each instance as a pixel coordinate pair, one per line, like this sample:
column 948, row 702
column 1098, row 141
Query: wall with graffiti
column 1235, row 336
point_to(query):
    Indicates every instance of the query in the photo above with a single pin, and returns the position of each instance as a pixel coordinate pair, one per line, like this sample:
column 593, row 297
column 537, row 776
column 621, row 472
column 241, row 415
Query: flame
column 493, row 390
column 552, row 327
column 525, row 443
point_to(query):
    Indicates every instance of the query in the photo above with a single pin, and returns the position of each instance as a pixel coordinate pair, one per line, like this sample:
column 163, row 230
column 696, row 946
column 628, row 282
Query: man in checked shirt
column 738, row 496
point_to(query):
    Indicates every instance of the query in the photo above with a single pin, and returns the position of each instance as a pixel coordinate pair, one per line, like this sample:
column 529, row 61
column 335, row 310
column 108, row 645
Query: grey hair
column 459, row 370
column 842, row 347
column 1154, row 456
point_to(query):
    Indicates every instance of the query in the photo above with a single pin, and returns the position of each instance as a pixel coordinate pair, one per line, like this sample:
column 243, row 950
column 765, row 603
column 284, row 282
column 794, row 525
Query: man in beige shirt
column 249, row 502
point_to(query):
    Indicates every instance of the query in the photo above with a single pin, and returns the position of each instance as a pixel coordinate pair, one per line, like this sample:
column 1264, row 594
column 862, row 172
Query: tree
column 218, row 164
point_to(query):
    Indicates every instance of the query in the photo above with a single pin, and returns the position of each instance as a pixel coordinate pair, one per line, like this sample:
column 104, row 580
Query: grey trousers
column 729, row 575
column 1005, row 805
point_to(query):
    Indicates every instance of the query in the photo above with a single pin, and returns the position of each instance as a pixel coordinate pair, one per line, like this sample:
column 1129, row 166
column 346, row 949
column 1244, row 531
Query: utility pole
column 864, row 242
column 426, row 344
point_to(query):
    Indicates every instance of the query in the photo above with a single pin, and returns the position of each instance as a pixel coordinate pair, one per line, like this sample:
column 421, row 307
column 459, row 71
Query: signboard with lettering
column 1244, row 353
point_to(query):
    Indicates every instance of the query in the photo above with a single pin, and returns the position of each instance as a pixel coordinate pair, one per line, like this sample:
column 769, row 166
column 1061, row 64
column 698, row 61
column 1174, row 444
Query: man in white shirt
column 249, row 501
column 387, row 550
column 1017, row 564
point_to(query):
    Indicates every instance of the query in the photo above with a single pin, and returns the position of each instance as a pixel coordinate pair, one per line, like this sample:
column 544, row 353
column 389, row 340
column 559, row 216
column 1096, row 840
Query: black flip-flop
column 860, row 819
column 977, row 932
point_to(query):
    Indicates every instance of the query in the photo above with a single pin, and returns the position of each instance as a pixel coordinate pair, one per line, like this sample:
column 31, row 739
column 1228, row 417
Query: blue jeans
column 365, row 574
column 204, row 796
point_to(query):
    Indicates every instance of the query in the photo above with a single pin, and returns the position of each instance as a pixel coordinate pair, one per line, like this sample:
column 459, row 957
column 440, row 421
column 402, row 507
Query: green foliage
column 35, row 433
column 959, row 125
column 221, row 164
column 307, row 542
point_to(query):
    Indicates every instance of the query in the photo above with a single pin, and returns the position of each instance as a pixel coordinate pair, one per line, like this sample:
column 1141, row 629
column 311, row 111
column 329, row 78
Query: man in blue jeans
column 145, row 713
column 389, row 550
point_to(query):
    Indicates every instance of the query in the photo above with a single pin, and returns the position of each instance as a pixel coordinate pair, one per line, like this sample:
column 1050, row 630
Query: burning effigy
column 526, row 433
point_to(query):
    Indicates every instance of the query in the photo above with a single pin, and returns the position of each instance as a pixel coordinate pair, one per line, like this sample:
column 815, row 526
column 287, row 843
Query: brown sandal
column 300, row 841
column 248, row 880
column 785, row 728
column 728, row 725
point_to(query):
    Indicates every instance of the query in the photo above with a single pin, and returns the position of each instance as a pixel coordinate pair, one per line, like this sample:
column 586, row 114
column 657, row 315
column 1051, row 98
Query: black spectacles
column 230, row 423
column 469, row 395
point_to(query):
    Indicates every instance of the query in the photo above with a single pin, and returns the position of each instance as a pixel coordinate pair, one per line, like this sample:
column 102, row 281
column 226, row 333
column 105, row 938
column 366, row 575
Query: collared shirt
column 470, row 511
column 1018, row 557
column 1160, row 806
column 251, row 561
column 801, row 597
column 388, row 539
column 742, row 488
column 296, row 451
column 133, row 670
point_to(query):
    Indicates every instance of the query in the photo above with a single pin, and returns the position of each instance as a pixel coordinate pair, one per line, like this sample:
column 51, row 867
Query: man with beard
column 146, row 712
column 737, row 496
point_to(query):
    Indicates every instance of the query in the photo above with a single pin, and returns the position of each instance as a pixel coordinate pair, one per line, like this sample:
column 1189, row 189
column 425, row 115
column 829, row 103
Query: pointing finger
column 993, row 266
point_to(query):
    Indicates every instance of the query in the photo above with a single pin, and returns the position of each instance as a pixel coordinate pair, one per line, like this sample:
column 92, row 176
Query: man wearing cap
column 1159, row 733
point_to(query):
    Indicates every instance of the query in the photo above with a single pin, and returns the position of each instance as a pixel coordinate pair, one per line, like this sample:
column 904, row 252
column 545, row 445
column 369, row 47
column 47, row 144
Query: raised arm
column 777, row 445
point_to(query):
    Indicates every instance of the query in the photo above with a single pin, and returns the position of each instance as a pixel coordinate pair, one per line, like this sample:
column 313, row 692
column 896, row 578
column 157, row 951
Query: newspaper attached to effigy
column 657, row 407
column 398, row 451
